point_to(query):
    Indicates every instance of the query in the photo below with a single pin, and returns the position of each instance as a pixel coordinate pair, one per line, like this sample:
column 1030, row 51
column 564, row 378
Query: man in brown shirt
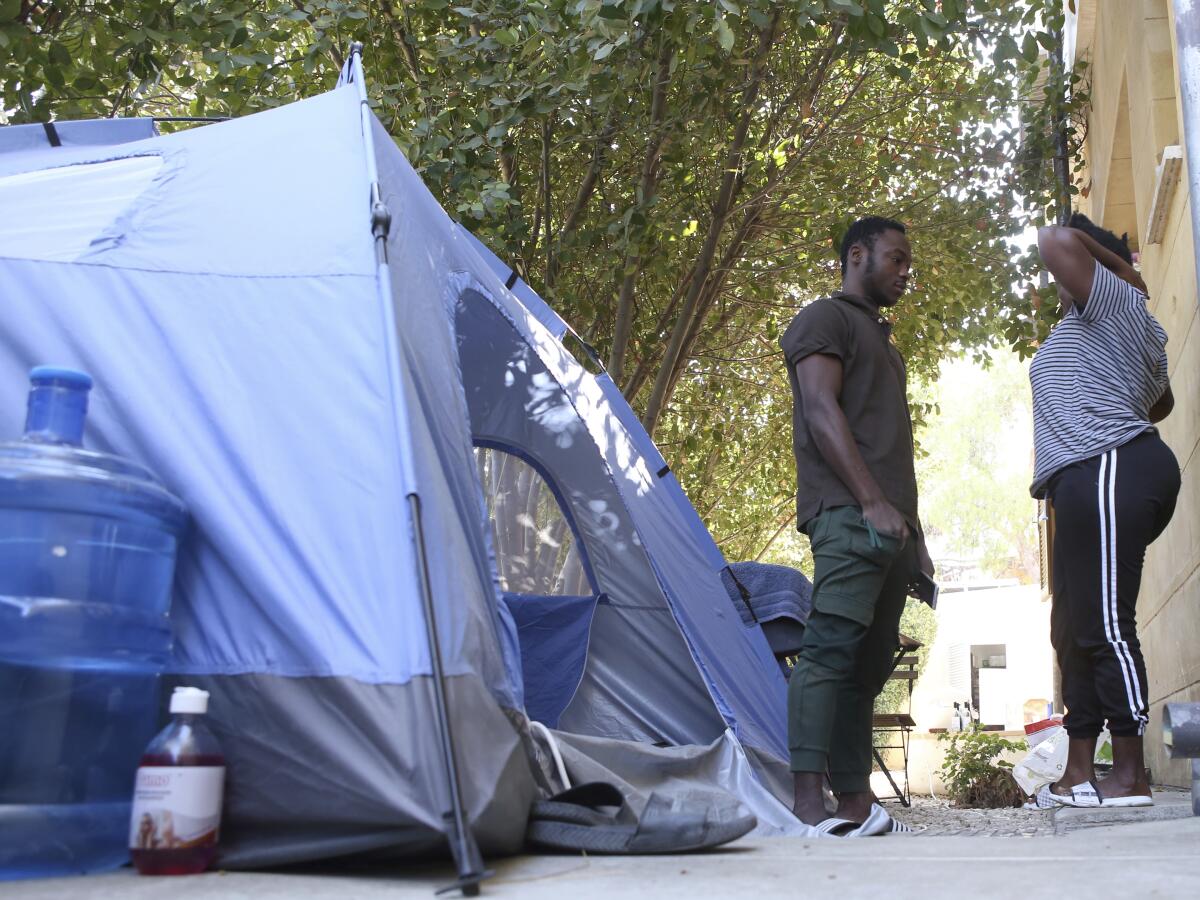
column 857, row 501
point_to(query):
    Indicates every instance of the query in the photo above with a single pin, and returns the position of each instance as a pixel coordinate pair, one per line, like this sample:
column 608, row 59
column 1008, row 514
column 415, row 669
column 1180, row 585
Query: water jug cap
column 189, row 700
column 70, row 378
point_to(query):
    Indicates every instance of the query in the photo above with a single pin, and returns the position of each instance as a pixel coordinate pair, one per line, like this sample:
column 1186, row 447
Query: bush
column 974, row 776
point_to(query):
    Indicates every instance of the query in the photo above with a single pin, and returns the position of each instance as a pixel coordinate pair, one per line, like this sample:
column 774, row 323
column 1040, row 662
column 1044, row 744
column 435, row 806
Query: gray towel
column 776, row 592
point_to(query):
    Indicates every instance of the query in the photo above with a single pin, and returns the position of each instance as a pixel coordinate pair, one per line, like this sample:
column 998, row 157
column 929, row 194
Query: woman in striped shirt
column 1099, row 383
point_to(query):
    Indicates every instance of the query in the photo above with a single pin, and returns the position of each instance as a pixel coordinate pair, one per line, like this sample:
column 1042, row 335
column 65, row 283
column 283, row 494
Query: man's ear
column 856, row 253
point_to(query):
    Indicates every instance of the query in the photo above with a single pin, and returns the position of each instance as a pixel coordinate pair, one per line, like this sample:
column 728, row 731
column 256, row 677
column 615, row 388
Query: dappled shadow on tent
column 639, row 681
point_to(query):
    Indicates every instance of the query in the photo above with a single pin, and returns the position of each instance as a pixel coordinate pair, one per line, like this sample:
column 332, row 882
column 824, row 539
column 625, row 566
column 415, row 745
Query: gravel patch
column 938, row 818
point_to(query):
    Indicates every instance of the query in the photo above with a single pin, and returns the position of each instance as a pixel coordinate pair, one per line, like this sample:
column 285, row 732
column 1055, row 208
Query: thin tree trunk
column 778, row 531
column 583, row 196
column 733, row 165
column 730, row 484
column 508, row 171
column 716, row 284
column 647, row 362
column 632, row 265
column 751, row 223
column 406, row 48
column 710, row 467
column 547, row 130
column 587, row 187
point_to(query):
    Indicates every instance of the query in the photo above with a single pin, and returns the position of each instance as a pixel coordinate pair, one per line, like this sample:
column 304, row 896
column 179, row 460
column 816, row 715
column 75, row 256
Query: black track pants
column 1107, row 510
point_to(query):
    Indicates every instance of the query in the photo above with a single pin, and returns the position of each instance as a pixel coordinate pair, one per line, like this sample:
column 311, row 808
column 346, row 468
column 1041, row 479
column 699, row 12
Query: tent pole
column 467, row 859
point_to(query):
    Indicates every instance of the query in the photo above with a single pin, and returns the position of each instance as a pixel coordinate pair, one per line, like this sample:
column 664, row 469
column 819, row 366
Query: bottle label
column 176, row 807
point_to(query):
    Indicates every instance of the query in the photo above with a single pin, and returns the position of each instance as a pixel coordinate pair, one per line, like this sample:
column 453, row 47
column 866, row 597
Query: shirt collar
column 866, row 306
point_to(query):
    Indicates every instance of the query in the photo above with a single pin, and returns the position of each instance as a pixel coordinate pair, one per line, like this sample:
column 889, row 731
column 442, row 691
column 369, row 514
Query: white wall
column 1015, row 616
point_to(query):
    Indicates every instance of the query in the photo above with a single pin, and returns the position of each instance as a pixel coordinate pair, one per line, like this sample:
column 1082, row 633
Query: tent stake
column 467, row 858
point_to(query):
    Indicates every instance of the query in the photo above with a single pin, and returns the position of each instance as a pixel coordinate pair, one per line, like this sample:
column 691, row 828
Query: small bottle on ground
column 177, row 797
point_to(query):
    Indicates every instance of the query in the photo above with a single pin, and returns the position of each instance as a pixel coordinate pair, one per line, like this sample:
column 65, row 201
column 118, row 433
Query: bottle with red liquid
column 177, row 797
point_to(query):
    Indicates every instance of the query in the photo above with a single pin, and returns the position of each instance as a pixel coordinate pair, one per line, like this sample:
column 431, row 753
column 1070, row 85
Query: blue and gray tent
column 367, row 412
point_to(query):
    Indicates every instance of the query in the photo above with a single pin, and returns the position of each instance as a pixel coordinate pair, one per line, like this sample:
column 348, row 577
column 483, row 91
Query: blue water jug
column 87, row 554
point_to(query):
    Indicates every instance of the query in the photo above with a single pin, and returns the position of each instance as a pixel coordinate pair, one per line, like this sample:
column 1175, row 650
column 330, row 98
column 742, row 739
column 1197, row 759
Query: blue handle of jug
column 57, row 405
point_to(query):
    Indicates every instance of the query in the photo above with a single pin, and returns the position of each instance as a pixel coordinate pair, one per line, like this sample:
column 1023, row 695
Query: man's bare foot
column 855, row 806
column 809, row 797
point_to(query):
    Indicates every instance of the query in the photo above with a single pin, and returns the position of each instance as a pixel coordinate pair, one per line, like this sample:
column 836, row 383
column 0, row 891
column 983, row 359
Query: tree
column 974, row 476
column 672, row 176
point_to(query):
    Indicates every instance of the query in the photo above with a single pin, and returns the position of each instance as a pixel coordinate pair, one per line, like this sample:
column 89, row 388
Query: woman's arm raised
column 1071, row 257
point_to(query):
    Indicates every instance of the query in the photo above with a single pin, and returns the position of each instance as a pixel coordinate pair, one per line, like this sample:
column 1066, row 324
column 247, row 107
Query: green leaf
column 506, row 37
column 59, row 55
column 9, row 10
column 724, row 34
column 851, row 7
column 1029, row 48
column 1006, row 48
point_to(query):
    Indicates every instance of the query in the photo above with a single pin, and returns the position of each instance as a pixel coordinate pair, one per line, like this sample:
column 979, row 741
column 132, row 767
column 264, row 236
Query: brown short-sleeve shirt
column 874, row 399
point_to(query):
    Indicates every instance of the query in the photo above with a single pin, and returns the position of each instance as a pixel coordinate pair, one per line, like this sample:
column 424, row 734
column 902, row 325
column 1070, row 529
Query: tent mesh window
column 536, row 550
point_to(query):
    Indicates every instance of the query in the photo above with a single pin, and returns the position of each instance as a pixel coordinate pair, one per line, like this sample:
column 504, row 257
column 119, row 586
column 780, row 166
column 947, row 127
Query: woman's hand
column 1130, row 275
column 1071, row 256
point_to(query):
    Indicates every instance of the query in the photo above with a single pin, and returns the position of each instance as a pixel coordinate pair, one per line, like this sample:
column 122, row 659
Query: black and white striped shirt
column 1095, row 378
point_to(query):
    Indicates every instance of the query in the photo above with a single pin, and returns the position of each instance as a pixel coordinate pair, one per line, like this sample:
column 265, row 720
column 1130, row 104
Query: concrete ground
column 1147, row 857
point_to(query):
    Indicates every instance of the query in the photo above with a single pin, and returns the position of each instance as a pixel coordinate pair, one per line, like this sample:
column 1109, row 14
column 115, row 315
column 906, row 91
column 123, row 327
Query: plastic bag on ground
column 1045, row 763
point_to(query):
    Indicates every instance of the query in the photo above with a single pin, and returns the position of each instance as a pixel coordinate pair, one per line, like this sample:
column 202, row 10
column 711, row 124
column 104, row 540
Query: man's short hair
column 864, row 232
column 1102, row 236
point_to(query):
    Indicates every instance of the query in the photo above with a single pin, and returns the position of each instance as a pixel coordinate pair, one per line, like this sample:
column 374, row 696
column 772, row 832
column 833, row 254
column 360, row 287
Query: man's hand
column 924, row 563
column 886, row 519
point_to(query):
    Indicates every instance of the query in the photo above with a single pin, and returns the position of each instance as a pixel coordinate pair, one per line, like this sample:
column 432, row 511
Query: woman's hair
column 1102, row 236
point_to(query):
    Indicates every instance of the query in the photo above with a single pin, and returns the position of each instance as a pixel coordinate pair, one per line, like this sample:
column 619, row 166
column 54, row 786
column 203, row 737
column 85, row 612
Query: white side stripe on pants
column 1108, row 587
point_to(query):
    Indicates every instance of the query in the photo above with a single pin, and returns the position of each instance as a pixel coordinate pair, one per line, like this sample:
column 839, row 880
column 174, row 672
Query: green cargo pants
column 859, row 588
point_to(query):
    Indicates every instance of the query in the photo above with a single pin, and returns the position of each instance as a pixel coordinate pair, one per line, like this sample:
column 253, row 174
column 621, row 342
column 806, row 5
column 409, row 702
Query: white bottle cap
column 189, row 700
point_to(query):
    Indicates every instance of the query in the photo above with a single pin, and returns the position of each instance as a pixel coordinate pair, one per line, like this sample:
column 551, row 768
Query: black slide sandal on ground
column 594, row 817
